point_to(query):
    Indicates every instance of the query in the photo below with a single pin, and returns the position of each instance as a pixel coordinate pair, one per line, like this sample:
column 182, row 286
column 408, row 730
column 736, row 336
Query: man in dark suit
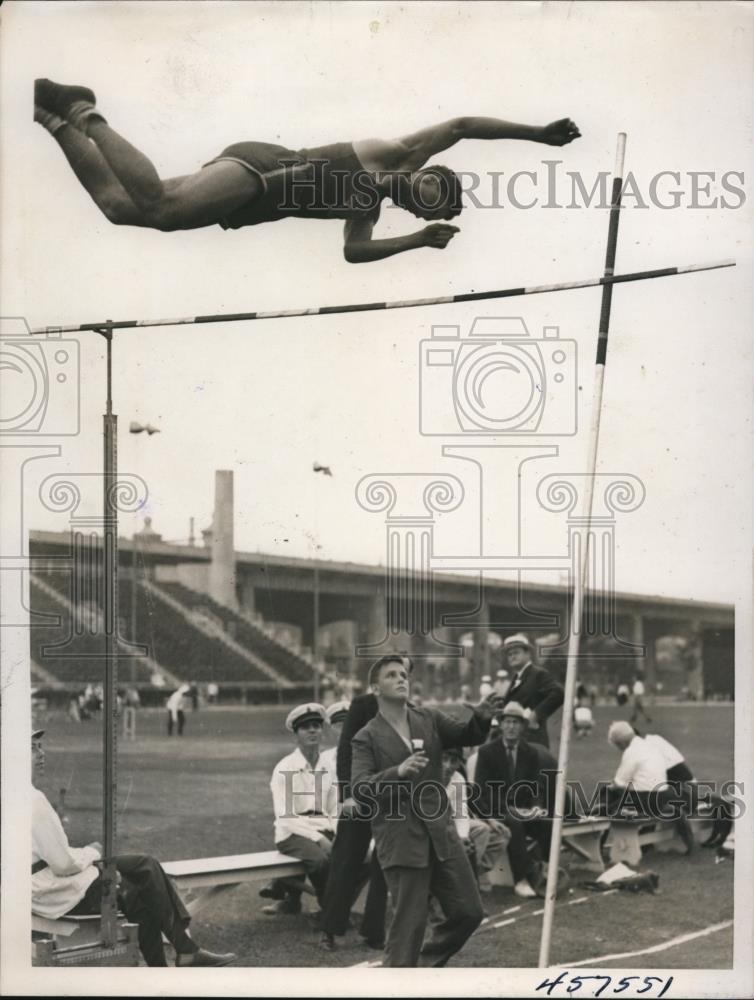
column 514, row 786
column 352, row 844
column 397, row 774
column 531, row 687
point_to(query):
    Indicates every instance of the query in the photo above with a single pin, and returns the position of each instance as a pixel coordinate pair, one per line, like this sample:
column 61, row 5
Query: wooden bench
column 209, row 877
column 629, row 835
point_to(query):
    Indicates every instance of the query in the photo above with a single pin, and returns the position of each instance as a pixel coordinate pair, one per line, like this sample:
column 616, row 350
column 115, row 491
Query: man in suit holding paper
column 397, row 775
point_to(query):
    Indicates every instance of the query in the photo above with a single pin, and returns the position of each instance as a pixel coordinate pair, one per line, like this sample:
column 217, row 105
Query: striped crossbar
column 500, row 293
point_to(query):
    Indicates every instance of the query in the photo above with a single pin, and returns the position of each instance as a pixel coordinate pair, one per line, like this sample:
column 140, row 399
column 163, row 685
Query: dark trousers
column 181, row 722
column 316, row 863
column 453, row 885
column 347, row 874
column 148, row 898
column 518, row 855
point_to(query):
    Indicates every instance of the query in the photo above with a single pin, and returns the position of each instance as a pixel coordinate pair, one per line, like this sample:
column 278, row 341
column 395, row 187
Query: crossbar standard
column 501, row 293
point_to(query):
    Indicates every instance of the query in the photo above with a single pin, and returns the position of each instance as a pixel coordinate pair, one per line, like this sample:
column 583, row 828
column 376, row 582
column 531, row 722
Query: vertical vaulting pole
column 110, row 733
column 579, row 582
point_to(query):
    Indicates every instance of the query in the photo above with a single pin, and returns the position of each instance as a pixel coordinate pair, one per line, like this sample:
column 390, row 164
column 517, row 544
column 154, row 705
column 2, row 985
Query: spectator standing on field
column 176, row 707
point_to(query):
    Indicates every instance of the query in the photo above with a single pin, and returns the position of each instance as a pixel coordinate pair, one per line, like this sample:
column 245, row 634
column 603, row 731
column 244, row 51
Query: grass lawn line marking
column 503, row 923
column 573, row 902
column 536, row 913
column 512, row 909
column 682, row 939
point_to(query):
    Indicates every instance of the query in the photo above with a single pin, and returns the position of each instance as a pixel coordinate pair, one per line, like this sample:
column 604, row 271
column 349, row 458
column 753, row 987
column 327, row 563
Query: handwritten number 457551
column 572, row 984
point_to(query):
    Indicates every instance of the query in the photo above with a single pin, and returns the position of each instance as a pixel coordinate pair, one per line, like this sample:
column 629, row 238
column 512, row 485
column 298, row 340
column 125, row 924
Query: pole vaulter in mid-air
column 254, row 182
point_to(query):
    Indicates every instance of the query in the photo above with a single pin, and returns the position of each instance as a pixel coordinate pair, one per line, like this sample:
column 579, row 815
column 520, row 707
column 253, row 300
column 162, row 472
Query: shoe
column 327, row 942
column 524, row 890
column 283, row 906
column 273, row 891
column 58, row 98
column 203, row 959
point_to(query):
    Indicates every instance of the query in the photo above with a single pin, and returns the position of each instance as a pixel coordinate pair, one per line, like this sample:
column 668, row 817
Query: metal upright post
column 110, row 732
column 315, row 638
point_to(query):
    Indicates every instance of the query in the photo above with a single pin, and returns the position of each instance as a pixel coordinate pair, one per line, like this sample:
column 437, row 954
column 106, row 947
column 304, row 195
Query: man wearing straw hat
column 532, row 687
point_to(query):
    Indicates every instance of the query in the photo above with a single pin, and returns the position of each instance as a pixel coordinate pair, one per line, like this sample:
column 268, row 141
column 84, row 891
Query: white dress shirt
column 642, row 766
column 298, row 788
column 56, row 889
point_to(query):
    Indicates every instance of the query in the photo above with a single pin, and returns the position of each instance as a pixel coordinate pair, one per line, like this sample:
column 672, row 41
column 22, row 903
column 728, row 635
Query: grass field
column 207, row 794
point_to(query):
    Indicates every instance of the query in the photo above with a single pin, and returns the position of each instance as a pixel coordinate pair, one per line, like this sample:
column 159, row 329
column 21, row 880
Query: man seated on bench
column 512, row 783
column 65, row 882
column 641, row 781
column 304, row 789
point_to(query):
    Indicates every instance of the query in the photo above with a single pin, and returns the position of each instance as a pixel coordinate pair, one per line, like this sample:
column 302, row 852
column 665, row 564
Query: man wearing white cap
column 531, row 687
column 304, row 798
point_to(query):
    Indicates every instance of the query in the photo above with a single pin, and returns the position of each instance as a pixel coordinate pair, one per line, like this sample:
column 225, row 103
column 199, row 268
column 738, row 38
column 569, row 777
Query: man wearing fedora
column 305, row 802
column 532, row 687
column 514, row 787
column 66, row 881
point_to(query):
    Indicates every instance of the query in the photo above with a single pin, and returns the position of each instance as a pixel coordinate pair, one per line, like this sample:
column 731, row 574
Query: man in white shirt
column 65, row 880
column 176, row 706
column 304, row 788
column 642, row 779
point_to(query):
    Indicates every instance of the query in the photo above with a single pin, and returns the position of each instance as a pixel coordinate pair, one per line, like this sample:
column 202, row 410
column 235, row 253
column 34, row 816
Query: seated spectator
column 305, row 806
column 641, row 779
column 514, row 789
column 65, row 882
column 484, row 839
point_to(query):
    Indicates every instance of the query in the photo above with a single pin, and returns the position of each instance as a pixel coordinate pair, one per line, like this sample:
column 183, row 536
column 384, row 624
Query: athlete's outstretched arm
column 415, row 149
column 360, row 248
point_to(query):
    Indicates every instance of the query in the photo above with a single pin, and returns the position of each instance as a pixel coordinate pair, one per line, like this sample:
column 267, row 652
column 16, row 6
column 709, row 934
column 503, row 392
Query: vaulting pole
column 581, row 562
column 109, row 906
column 438, row 300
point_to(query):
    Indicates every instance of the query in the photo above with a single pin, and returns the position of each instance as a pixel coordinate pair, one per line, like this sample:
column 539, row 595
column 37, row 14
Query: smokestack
column 222, row 573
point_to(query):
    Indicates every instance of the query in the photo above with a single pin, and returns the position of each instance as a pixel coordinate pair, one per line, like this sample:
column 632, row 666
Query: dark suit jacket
column 540, row 692
column 494, row 778
column 360, row 711
column 410, row 813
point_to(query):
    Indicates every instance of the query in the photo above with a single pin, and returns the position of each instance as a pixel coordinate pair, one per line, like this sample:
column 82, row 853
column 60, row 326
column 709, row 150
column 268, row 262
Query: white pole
column 581, row 562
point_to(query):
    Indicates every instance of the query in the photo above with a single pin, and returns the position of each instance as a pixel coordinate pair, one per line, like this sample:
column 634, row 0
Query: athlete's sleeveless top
column 335, row 185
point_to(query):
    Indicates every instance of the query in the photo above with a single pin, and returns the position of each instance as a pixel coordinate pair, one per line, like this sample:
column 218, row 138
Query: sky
column 268, row 399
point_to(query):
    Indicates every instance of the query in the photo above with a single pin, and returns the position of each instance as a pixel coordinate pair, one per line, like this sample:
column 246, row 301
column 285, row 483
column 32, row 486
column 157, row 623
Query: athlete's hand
column 326, row 844
column 413, row 765
column 438, row 235
column 97, row 847
column 560, row 133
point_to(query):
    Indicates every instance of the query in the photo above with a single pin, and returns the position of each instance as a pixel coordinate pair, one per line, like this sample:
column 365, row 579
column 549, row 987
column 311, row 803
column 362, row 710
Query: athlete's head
column 433, row 193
